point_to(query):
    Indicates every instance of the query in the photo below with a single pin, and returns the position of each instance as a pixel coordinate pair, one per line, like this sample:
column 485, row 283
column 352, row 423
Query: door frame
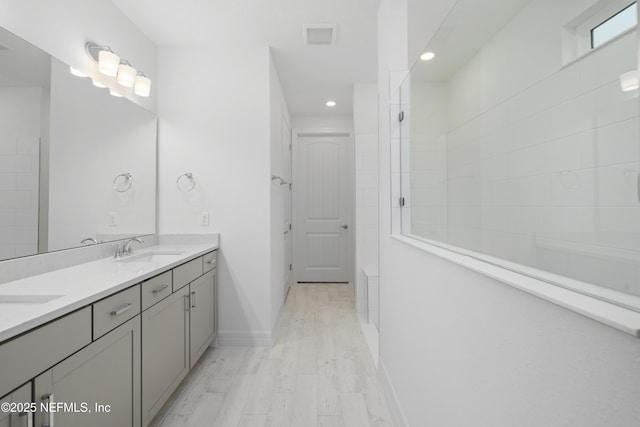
column 295, row 151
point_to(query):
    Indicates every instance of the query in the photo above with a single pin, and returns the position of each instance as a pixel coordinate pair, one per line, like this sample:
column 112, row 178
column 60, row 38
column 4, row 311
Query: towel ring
column 186, row 182
column 122, row 182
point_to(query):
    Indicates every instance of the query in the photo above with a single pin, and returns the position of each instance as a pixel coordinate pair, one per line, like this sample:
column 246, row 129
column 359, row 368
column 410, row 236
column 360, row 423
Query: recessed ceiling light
column 427, row 56
column 331, row 103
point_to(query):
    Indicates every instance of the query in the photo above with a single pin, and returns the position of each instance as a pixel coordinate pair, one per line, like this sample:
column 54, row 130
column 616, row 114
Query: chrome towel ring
column 186, row 182
column 122, row 182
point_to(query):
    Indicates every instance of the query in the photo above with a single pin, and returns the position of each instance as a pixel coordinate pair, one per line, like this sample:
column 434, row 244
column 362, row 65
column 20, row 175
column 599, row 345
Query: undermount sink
column 153, row 256
column 27, row 299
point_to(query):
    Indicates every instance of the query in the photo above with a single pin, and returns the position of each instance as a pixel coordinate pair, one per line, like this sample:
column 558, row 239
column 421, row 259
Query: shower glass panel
column 521, row 149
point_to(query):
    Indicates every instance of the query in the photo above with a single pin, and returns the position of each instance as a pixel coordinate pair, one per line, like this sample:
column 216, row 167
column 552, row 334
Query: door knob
column 345, row 226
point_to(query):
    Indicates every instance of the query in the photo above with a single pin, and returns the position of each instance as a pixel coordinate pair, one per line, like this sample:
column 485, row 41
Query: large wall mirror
column 521, row 142
column 76, row 163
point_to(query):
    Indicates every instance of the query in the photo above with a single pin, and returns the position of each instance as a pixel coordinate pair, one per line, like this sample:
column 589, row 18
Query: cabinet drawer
column 26, row 356
column 156, row 288
column 186, row 273
column 209, row 261
column 115, row 310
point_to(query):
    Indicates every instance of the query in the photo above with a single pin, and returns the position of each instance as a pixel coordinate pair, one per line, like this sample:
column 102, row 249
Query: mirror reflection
column 65, row 148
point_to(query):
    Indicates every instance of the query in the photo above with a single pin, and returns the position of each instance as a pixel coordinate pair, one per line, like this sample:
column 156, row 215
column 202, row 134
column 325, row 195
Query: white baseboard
column 275, row 328
column 395, row 410
column 244, row 339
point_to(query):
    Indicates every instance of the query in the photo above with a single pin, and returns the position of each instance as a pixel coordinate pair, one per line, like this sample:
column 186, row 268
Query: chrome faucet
column 125, row 249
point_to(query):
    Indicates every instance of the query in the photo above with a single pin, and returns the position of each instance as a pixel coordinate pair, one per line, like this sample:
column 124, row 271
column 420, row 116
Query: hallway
column 319, row 372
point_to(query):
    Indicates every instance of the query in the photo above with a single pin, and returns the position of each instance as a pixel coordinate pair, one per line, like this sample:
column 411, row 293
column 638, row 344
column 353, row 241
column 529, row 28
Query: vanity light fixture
column 114, row 93
column 111, row 65
column 629, row 81
column 331, row 103
column 76, row 72
column 126, row 74
column 142, row 85
column 98, row 84
column 427, row 56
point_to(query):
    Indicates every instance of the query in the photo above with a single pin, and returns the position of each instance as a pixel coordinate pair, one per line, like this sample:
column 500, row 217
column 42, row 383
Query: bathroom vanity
column 105, row 342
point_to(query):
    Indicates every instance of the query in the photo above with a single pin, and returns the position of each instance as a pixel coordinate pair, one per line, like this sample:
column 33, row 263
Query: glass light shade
column 126, row 75
column 108, row 63
column 629, row 81
column 142, row 86
column 114, row 93
column 98, row 84
column 331, row 103
column 76, row 72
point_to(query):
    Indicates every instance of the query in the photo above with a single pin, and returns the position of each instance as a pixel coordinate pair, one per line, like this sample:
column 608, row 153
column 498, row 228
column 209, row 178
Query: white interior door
column 323, row 194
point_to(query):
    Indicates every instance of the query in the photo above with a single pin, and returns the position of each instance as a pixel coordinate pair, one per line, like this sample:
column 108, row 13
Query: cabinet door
column 16, row 419
column 98, row 386
column 165, row 351
column 202, row 314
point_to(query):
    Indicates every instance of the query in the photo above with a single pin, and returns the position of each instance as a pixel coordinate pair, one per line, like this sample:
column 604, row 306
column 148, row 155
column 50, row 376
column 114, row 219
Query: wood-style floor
column 319, row 373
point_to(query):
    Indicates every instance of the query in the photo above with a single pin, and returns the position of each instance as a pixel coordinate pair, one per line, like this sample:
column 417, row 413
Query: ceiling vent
column 319, row 33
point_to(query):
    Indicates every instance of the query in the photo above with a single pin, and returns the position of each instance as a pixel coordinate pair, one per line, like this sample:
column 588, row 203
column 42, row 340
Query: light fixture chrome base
column 93, row 50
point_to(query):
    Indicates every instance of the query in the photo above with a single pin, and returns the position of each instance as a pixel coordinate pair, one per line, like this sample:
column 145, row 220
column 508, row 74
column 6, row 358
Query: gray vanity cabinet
column 165, row 356
column 20, row 396
column 203, row 314
column 98, row 386
column 177, row 330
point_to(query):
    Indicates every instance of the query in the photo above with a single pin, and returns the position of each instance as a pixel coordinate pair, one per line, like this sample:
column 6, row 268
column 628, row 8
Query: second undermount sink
column 27, row 299
column 153, row 256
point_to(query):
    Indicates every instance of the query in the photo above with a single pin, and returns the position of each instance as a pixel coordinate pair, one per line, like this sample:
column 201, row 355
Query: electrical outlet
column 204, row 219
column 113, row 219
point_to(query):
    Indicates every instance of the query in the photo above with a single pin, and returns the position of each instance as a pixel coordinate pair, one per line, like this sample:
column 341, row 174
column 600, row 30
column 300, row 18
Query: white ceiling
column 310, row 75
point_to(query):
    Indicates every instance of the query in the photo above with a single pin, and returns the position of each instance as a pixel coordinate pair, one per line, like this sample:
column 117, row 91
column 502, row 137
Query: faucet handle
column 118, row 252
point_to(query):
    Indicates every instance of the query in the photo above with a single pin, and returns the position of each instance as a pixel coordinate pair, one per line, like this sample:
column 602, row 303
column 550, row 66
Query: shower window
column 614, row 26
column 511, row 155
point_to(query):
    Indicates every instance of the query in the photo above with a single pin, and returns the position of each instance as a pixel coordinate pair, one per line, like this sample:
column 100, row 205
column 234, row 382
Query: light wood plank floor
column 319, row 373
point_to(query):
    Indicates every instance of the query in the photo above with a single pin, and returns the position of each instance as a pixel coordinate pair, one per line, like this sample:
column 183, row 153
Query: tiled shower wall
column 428, row 151
column 542, row 153
column 20, row 116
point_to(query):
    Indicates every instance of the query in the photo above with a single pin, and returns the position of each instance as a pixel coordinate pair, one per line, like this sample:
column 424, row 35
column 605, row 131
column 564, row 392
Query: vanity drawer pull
column 159, row 289
column 118, row 311
column 29, row 416
column 48, row 401
column 211, row 261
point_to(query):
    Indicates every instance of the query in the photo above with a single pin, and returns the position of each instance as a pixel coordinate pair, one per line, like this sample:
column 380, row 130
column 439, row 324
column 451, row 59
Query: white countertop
column 77, row 286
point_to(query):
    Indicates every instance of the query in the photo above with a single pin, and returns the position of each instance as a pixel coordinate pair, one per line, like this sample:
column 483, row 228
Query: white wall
column 365, row 129
column 458, row 348
column 20, row 132
column 62, row 28
column 216, row 125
